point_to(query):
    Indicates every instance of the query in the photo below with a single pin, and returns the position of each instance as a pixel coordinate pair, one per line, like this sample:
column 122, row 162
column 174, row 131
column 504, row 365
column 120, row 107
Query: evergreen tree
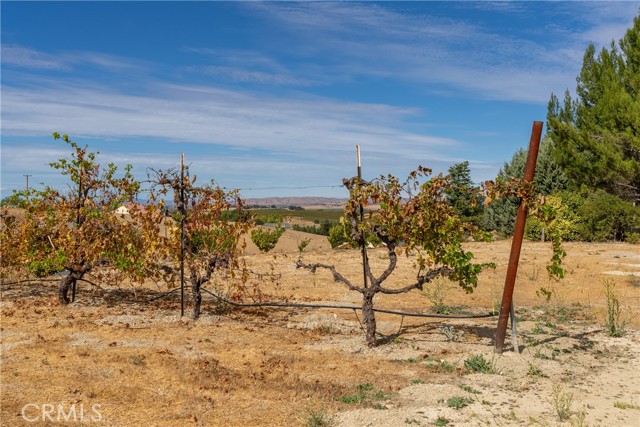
column 597, row 134
column 463, row 195
column 549, row 178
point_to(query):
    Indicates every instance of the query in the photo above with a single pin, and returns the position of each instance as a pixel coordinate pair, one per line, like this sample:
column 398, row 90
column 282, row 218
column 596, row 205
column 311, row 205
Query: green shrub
column 436, row 293
column 606, row 217
column 562, row 402
column 338, row 235
column 633, row 238
column 457, row 402
column 564, row 220
column 365, row 392
column 441, row 422
column 479, row 364
column 266, row 239
column 318, row 418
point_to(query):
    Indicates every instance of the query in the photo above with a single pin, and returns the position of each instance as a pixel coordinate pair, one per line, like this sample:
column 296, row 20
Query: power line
column 147, row 190
column 286, row 188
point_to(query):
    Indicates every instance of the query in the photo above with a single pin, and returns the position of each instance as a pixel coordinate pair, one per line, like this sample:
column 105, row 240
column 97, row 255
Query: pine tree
column 463, row 195
column 549, row 178
column 597, row 134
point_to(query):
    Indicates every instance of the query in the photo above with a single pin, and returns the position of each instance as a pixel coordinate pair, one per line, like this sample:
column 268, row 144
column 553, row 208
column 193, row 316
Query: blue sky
column 272, row 96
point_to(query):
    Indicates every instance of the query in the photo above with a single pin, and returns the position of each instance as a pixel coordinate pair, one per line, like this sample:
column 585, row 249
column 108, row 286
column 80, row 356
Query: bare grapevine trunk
column 369, row 317
column 65, row 285
column 197, row 298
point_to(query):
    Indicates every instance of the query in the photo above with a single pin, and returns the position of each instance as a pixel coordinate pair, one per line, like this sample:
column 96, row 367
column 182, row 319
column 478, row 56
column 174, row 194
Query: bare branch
column 426, row 278
column 337, row 277
column 393, row 257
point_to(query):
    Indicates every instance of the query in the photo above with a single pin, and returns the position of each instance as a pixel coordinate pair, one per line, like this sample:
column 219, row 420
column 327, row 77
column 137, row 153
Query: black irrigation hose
column 344, row 307
column 282, row 304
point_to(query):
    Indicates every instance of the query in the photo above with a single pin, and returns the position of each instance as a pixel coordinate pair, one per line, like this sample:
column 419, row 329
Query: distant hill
column 328, row 202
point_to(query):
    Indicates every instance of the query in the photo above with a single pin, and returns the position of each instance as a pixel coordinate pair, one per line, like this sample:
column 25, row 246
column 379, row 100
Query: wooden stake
column 363, row 242
column 182, row 234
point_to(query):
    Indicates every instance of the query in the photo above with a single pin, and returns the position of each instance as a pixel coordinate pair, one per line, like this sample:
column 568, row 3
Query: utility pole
column 27, row 176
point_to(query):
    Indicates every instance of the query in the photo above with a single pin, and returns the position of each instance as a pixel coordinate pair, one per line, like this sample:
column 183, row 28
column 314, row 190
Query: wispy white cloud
column 243, row 75
column 28, row 58
column 206, row 115
column 303, row 138
column 23, row 57
column 245, row 66
column 607, row 21
column 380, row 41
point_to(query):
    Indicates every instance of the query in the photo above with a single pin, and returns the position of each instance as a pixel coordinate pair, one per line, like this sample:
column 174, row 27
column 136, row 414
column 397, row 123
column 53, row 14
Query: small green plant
column 446, row 366
column 538, row 328
column 469, row 389
column 436, row 294
column 562, row 402
column 458, row 402
column 580, row 420
column 352, row 398
column 624, row 405
column 534, row 371
column 412, row 421
column 266, row 239
column 441, row 422
column 534, row 274
column 302, row 245
column 440, row 364
column 365, row 392
column 545, row 293
column 614, row 323
column 479, row 364
column 318, row 418
column 417, row 381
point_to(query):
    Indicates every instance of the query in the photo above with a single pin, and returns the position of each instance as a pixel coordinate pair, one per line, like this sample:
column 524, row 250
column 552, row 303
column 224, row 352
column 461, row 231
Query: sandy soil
column 134, row 364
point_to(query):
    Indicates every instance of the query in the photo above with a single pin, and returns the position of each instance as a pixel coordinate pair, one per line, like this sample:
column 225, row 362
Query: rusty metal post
column 516, row 244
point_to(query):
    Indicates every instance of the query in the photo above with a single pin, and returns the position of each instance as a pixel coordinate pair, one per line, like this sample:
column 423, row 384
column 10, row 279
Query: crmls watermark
column 36, row 412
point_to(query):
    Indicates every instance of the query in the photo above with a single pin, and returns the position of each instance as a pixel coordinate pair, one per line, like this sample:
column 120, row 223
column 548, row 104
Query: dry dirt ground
column 119, row 363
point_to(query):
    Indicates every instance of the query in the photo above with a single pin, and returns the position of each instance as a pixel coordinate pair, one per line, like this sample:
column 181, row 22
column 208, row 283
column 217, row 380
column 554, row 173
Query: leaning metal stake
column 516, row 244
